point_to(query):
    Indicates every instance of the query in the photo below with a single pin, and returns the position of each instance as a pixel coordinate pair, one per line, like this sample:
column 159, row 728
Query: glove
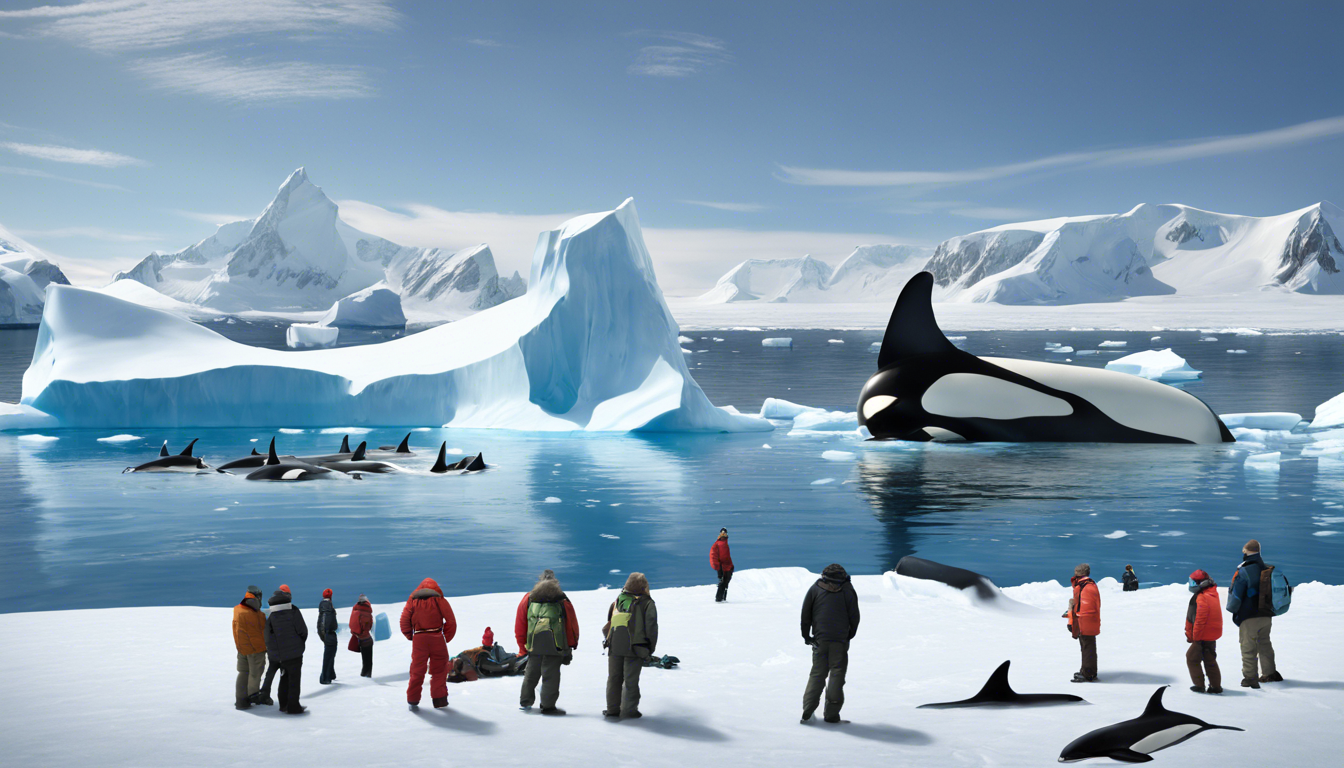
column 568, row 657
column 720, row 572
column 809, row 640
column 408, row 637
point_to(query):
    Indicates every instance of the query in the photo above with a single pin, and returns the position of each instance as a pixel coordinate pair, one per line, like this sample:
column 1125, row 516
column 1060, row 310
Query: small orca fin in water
column 271, row 458
column 255, row 452
column 345, row 444
column 405, row 446
column 475, row 464
column 164, row 450
column 441, row 465
column 187, row 451
column 359, row 452
column 913, row 330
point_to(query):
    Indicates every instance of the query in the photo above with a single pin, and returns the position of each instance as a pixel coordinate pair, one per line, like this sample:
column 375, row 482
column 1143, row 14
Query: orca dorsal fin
column 442, row 464
column 912, row 329
column 358, row 455
column 187, row 451
column 271, row 458
column 997, row 687
column 164, row 450
column 1155, row 707
column 405, row 446
column 255, row 452
column 475, row 464
column 345, row 444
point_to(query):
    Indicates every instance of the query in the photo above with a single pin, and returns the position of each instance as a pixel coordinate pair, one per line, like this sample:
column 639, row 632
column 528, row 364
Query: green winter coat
column 641, row 639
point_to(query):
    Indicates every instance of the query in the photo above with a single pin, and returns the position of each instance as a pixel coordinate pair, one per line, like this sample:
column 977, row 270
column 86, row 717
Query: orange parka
column 249, row 625
column 1085, row 612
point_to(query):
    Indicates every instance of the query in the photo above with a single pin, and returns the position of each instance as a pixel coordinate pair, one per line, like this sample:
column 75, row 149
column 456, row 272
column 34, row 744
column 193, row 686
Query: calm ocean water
column 74, row 533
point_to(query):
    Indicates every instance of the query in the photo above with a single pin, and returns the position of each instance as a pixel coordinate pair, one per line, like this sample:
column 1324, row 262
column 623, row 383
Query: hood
column 1076, row 580
column 723, row 537
column 637, row 584
column 1253, row 559
column 427, row 588
column 546, row 591
column 835, row 573
column 280, row 598
column 251, row 601
column 364, row 606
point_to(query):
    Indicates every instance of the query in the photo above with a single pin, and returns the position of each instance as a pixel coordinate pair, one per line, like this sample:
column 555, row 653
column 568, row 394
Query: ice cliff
column 590, row 347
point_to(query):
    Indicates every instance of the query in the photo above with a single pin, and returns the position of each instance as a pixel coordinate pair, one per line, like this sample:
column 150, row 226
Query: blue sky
column 741, row 129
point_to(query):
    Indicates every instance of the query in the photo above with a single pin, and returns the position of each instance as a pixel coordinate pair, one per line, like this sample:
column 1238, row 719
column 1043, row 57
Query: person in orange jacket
column 546, row 648
column 1203, row 627
column 249, row 637
column 721, row 560
column 428, row 622
column 1084, row 617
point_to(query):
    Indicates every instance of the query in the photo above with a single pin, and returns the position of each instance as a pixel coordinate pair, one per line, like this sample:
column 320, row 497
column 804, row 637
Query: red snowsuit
column 428, row 622
column 720, row 558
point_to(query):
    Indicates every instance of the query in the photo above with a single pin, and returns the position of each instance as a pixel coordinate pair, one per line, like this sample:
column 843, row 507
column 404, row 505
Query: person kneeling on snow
column 830, row 620
column 286, row 637
column 428, row 622
column 1084, row 617
column 361, row 633
column 547, row 632
column 249, row 637
column 326, row 632
column 631, row 637
column 1203, row 627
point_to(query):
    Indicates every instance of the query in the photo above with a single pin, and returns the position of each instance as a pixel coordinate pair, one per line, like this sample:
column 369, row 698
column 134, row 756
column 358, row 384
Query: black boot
column 552, row 711
column 297, row 709
column 1250, row 682
column 441, row 703
column 1273, row 678
column 242, row 705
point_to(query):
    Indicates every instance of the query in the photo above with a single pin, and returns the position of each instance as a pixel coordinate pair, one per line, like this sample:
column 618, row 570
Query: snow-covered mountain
column 870, row 273
column 874, row 272
column 300, row 255
column 25, row 273
column 771, row 280
column 1151, row 250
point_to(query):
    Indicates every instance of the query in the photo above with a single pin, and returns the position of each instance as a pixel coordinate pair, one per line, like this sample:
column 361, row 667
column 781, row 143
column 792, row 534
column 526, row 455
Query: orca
column 359, row 463
column 402, row 450
column 182, row 462
column 289, row 470
column 251, row 461
column 468, row 464
column 1133, row 741
column 928, row 389
column 960, row 578
column 997, row 692
column 343, row 455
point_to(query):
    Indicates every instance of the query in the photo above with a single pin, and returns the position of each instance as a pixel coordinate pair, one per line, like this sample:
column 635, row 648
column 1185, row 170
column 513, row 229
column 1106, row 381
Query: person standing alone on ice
column 361, row 633
column 286, row 637
column 326, row 632
column 547, row 632
column 830, row 620
column 1131, row 579
column 721, row 560
column 1243, row 602
column 1084, row 617
column 249, row 637
column 1203, row 627
column 428, row 622
column 631, row 637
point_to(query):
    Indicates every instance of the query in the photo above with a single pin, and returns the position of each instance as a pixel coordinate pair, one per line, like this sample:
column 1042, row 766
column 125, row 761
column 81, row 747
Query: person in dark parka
column 631, row 638
column 830, row 620
column 1131, row 579
column 721, row 560
column 286, row 637
column 326, row 632
column 1253, row 626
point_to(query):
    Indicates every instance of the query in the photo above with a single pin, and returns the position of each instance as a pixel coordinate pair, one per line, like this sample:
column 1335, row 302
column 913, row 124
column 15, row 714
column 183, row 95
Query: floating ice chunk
column 1155, row 364
column 288, row 431
column 1061, row 350
column 345, row 431
column 1242, row 331
column 17, row 416
column 1330, row 413
column 835, row 341
column 1116, row 535
column 38, row 438
column 1082, row 352
column 685, row 340
column 1267, row 420
column 1156, row 338
column 686, row 351
column 716, row 338
column 837, row 455
column 1266, row 462
column 1051, row 345
column 377, row 306
column 1326, row 533
column 956, row 338
column 120, row 438
column 307, row 335
column 609, row 536
column 1236, row 351
column 875, row 346
column 826, row 421
column 765, row 445
column 1113, row 344
column 551, row 500
column 1208, row 338
column 347, row 554
column 775, row 408
column 824, row 481
column 1172, row 533
column 783, row 341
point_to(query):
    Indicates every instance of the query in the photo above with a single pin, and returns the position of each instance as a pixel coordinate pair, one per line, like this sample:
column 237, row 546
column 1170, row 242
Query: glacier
column 869, row 273
column 25, row 274
column 590, row 347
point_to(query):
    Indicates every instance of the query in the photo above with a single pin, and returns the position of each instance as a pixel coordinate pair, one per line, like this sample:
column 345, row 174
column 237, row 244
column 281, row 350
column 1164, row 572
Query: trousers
column 250, row 667
column 830, row 661
column 1255, row 646
column 429, row 651
column 622, row 683
column 1202, row 657
column 543, row 669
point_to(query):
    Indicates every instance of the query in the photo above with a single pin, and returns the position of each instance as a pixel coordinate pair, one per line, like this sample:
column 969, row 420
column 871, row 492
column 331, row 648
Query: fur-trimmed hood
column 637, row 584
column 546, row 591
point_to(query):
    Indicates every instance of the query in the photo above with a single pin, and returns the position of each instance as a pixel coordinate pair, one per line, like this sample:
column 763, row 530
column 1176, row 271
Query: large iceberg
column 591, row 346
column 374, row 307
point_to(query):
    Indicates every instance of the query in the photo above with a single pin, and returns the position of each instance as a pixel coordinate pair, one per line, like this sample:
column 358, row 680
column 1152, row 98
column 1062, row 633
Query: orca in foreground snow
column 468, row 464
column 358, row 462
column 998, row 693
column 928, row 389
column 1134, row 740
column 289, row 470
column 183, row 462
column 919, row 568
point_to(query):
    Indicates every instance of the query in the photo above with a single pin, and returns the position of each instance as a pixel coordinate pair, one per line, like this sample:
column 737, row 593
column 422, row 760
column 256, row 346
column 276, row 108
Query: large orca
column 182, row 462
column 919, row 568
column 344, row 454
column 1134, row 740
column 289, row 470
column 468, row 464
column 358, row 462
column 251, row 462
column 928, row 389
column 998, row 693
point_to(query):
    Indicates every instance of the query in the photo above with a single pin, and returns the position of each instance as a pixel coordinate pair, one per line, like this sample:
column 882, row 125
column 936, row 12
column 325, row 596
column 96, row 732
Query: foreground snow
column 127, row 673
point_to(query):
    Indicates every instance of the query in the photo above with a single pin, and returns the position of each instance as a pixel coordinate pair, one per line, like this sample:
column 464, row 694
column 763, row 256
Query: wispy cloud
column 998, row 214
column 688, row 54
column 90, row 233
column 484, row 42
column 1153, row 154
column 71, row 155
column 31, row 173
column 112, row 25
column 217, row 219
column 734, row 207
column 253, row 81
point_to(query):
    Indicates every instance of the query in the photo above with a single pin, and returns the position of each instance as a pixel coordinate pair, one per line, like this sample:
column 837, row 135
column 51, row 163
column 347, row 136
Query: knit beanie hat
column 488, row 639
column 284, row 588
column 1199, row 575
column 326, row 594
column 362, row 599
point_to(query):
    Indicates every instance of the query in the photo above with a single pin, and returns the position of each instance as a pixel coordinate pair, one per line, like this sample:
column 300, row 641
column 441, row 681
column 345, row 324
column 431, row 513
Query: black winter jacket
column 1131, row 581
column 286, row 632
column 831, row 608
column 1246, row 588
column 326, row 621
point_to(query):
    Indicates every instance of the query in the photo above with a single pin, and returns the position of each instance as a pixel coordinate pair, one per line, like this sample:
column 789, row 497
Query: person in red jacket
column 361, row 634
column 1084, row 617
column 428, row 622
column 545, row 648
column 1203, row 627
column 721, row 560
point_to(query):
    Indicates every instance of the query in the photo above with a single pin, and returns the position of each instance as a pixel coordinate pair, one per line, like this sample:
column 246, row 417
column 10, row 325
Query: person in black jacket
column 286, row 636
column 326, row 632
column 830, row 621
column 1131, row 579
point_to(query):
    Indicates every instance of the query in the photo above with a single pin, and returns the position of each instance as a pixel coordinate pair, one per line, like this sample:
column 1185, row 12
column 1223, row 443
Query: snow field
column 734, row 700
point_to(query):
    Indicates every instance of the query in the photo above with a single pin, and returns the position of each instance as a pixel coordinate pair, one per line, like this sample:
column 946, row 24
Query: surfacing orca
column 251, row 462
column 928, row 389
column 1134, row 740
column 919, row 568
column 182, row 462
column 358, row 462
column 404, row 449
column 289, row 470
column 998, row 693
column 468, row 464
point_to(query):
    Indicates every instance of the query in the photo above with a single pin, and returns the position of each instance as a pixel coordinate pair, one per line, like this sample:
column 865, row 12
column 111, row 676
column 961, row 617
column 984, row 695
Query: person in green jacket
column 631, row 639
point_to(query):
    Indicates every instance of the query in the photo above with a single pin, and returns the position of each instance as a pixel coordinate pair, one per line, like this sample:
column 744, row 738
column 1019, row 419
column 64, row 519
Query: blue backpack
column 1276, row 594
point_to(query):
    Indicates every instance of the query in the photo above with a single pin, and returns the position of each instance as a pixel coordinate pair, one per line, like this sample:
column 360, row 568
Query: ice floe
column 1155, row 364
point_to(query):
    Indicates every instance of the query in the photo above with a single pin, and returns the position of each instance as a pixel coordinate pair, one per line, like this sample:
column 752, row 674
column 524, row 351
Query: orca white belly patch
column 1164, row 738
column 970, row 395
